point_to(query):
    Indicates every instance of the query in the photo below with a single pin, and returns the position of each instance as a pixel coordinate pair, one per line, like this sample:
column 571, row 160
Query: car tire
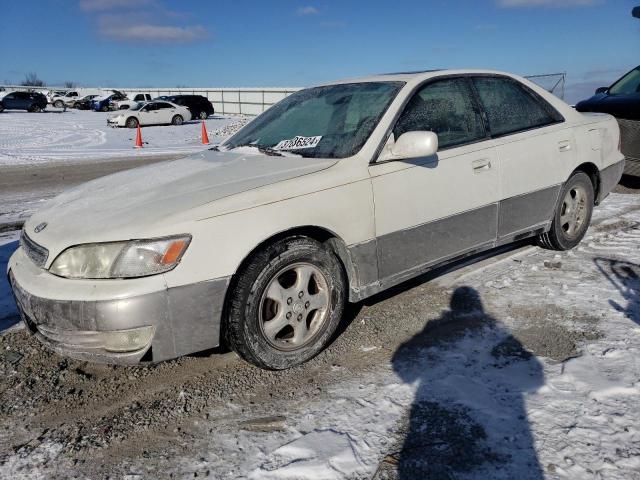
column 203, row 115
column 177, row 120
column 58, row 104
column 572, row 214
column 1, row 107
column 104, row 108
column 132, row 122
column 272, row 284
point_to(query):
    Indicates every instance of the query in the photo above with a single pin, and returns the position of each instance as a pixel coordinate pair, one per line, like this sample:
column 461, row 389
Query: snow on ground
column 54, row 135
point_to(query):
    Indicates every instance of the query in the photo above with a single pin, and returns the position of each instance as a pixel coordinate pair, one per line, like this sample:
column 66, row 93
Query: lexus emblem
column 40, row 227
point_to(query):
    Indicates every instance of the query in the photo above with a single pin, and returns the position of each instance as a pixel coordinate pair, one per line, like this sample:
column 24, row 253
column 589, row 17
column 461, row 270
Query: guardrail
column 254, row 101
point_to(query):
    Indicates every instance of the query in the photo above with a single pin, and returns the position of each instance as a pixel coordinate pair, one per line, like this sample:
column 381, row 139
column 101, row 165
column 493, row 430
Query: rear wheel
column 104, row 108
column 177, row 120
column 286, row 304
column 58, row 104
column 203, row 115
column 1, row 107
column 132, row 122
column 573, row 214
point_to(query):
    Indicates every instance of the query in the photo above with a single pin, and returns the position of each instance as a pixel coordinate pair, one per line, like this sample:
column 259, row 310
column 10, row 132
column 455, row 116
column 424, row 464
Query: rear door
column 164, row 113
column 536, row 150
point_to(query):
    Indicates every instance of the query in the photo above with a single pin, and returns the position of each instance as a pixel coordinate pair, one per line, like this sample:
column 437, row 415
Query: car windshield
column 628, row 84
column 325, row 122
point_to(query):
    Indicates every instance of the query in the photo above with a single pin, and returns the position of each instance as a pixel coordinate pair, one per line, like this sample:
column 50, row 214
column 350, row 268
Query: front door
column 428, row 210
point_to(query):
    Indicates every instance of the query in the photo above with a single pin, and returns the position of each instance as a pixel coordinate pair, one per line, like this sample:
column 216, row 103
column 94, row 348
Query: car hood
column 132, row 203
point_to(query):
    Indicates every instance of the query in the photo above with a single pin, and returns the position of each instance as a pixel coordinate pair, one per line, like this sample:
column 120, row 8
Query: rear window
column 511, row 107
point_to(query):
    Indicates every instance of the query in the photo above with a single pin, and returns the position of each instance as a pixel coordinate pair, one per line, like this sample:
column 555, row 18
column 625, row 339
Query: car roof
column 417, row 76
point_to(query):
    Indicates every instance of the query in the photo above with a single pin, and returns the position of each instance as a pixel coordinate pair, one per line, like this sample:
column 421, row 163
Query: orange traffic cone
column 205, row 137
column 138, row 138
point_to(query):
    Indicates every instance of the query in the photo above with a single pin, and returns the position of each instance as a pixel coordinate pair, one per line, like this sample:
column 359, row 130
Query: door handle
column 481, row 165
column 564, row 146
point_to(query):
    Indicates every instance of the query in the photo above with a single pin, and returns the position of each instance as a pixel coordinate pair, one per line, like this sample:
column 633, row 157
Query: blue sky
column 296, row 43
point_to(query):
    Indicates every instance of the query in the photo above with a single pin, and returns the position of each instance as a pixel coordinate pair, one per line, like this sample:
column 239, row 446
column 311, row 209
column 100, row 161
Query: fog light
column 128, row 340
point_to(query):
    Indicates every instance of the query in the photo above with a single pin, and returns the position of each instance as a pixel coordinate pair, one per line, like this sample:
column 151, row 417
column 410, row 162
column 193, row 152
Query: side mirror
column 601, row 90
column 411, row 145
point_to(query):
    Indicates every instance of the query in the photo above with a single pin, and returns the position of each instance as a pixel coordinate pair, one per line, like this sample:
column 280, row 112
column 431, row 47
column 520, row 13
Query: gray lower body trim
column 186, row 319
column 518, row 214
column 609, row 178
column 431, row 242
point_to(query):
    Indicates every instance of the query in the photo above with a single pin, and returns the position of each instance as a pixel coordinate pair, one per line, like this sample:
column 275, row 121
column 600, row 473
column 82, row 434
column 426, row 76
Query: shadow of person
column 468, row 417
column 8, row 311
column 625, row 276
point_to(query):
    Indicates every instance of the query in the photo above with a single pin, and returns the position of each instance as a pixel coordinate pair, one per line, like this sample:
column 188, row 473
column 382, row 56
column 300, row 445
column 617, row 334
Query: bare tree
column 70, row 84
column 31, row 80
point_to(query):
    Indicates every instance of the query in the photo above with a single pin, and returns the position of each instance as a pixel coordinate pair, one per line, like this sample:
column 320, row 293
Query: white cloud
column 547, row 3
column 152, row 33
column 95, row 5
column 308, row 10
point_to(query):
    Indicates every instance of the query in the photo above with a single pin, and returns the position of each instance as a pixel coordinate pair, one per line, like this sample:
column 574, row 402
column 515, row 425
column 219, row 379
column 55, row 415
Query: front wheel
column 104, row 108
column 132, row 122
column 572, row 215
column 58, row 104
column 286, row 304
column 177, row 120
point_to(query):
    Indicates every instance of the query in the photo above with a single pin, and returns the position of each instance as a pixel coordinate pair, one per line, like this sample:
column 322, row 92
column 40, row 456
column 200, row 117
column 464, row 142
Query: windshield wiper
column 269, row 151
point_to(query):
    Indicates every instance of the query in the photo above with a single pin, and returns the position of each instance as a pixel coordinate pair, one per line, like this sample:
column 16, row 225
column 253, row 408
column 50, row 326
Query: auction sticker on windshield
column 298, row 142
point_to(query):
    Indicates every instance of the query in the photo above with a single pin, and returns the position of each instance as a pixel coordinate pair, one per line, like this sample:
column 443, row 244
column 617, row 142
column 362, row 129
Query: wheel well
column 594, row 174
column 322, row 235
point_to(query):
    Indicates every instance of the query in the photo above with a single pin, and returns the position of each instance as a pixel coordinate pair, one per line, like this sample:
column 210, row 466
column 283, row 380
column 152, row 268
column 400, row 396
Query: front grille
column 35, row 252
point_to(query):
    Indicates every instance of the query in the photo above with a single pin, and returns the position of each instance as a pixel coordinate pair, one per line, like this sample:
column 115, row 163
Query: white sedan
column 334, row 194
column 150, row 113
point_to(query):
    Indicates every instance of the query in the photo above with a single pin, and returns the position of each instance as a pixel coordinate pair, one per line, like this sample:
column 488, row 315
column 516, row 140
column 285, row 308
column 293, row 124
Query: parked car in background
column 622, row 100
column 84, row 103
column 151, row 113
column 107, row 102
column 29, row 101
column 199, row 106
column 334, row 194
column 60, row 101
column 133, row 98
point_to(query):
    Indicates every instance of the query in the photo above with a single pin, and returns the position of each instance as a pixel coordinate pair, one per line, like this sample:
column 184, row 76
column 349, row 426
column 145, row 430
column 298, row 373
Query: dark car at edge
column 622, row 100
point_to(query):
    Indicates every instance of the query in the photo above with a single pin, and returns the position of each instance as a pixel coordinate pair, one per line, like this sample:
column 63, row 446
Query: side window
column 510, row 107
column 446, row 108
column 163, row 105
column 138, row 98
column 628, row 84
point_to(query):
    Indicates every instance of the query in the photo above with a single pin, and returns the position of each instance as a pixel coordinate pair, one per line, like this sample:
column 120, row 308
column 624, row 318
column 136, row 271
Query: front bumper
column 154, row 326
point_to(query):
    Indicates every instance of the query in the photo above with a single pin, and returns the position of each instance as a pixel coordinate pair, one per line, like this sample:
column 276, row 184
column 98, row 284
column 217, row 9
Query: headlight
column 137, row 258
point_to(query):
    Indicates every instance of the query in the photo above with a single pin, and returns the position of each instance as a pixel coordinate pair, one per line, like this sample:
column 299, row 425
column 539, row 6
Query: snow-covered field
column 532, row 371
column 54, row 135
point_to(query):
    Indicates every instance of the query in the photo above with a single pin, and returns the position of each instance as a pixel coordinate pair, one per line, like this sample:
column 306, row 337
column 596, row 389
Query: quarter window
column 446, row 108
column 511, row 108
